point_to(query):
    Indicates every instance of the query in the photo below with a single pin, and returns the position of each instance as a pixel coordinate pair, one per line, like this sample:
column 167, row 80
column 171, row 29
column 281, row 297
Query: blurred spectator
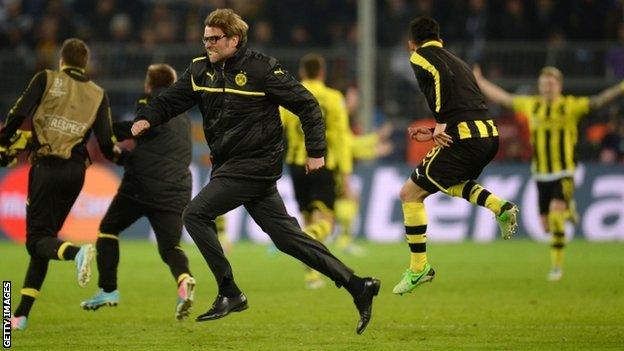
column 584, row 19
column 47, row 42
column 299, row 36
column 63, row 16
column 513, row 23
column 612, row 143
column 148, row 38
column 393, row 18
column 615, row 56
column 15, row 26
column 613, row 20
column 475, row 30
column 121, row 29
column 100, row 19
column 262, row 35
column 547, row 19
column 165, row 24
column 132, row 33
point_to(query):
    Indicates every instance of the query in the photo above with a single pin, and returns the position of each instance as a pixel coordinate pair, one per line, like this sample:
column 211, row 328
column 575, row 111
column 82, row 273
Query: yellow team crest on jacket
column 240, row 79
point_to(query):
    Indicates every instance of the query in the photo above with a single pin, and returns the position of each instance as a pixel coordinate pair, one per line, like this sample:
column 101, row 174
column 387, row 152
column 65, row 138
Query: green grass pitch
column 485, row 297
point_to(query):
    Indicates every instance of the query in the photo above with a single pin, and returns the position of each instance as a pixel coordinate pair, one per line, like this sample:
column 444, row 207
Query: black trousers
column 266, row 207
column 123, row 212
column 53, row 187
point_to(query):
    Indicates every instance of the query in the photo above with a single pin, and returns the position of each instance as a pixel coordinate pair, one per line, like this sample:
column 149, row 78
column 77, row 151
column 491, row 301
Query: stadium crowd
column 309, row 23
column 34, row 29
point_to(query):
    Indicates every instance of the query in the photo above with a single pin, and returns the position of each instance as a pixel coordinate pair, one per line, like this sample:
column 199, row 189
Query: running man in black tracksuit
column 156, row 185
column 238, row 92
column 65, row 107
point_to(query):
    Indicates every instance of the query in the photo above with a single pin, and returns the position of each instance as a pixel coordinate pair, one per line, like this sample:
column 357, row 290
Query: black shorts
column 560, row 189
column 311, row 190
column 464, row 160
column 53, row 187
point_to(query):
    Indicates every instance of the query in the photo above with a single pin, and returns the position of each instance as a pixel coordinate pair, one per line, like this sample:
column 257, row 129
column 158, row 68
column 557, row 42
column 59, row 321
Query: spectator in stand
column 615, row 56
column 15, row 25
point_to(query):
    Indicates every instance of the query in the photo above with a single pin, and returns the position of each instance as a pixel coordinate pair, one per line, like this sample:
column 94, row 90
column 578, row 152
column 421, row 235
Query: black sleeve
column 173, row 101
column 141, row 103
column 282, row 88
column 24, row 107
column 103, row 129
column 122, row 131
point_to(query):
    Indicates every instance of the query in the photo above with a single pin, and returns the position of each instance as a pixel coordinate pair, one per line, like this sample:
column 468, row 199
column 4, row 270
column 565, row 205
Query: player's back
column 448, row 84
column 65, row 113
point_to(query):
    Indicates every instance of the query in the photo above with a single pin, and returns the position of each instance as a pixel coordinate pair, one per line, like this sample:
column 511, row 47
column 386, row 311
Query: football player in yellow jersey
column 553, row 123
column 316, row 192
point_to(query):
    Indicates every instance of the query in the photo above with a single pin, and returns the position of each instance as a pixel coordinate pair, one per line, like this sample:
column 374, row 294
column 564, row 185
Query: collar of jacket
column 75, row 72
column 232, row 60
column 432, row 43
column 156, row 92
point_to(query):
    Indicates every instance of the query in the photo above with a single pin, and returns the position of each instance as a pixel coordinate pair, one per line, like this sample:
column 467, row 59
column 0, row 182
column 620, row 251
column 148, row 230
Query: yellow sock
column 556, row 222
column 345, row 210
column 476, row 194
column 415, row 220
column 220, row 224
column 319, row 230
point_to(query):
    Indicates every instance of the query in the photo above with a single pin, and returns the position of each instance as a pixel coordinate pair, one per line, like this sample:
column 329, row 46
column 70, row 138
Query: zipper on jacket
column 223, row 76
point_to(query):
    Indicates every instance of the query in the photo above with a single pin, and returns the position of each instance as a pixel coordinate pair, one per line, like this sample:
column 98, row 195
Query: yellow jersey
column 338, row 133
column 553, row 131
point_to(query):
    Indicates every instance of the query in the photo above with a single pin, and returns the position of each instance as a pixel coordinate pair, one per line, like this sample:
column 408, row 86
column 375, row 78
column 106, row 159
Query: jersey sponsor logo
column 57, row 88
column 65, row 126
column 240, row 79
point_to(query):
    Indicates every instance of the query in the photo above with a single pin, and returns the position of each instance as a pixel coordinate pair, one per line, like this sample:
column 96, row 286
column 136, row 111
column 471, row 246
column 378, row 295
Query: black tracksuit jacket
column 156, row 171
column 239, row 100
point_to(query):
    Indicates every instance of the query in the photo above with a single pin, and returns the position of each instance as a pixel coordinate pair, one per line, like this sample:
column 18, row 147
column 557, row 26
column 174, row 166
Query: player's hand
column 385, row 131
column 384, row 148
column 116, row 153
column 440, row 137
column 139, row 127
column 312, row 164
column 420, row 134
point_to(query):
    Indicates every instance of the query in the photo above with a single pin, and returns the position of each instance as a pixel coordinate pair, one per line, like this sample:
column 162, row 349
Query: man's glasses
column 213, row 39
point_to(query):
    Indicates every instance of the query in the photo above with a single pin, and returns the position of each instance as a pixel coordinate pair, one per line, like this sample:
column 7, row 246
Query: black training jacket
column 239, row 100
column 156, row 171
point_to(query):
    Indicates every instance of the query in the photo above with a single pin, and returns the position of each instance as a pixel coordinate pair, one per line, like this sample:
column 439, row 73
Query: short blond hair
column 552, row 72
column 230, row 23
column 160, row 75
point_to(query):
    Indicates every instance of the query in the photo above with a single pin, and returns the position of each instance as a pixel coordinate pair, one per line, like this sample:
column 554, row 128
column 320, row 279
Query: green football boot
column 508, row 219
column 411, row 280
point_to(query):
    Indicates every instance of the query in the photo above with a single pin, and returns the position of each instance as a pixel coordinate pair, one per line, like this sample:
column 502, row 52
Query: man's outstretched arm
column 606, row 96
